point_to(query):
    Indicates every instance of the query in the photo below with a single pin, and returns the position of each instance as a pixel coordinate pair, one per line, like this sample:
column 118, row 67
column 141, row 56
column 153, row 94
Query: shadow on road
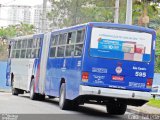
column 86, row 111
column 82, row 110
column 95, row 113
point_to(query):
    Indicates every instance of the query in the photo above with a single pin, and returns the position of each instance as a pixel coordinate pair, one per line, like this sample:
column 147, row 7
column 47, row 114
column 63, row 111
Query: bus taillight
column 149, row 83
column 85, row 76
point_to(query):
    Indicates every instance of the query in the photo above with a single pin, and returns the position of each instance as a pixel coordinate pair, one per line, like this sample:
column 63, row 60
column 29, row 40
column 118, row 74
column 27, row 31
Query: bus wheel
column 41, row 97
column 64, row 104
column 33, row 95
column 14, row 91
column 116, row 108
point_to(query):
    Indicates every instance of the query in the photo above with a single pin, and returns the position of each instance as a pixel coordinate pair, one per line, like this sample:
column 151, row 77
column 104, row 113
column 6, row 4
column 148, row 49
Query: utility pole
column 129, row 12
column 116, row 16
column 43, row 27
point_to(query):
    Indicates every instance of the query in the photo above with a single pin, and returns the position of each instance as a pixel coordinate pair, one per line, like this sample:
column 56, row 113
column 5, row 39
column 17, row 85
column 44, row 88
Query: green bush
column 157, row 66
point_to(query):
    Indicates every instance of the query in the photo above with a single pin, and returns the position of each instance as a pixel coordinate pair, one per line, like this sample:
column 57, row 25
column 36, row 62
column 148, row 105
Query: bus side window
column 54, row 40
column 52, row 51
column 24, row 43
column 28, row 55
column 30, row 42
column 78, row 50
column 23, row 53
column 17, row 54
column 62, row 39
column 34, row 45
column 80, row 36
column 13, row 53
column 35, row 48
column 19, row 44
column 34, row 53
column 69, row 50
column 18, row 47
column 71, row 37
column 60, row 51
column 15, row 45
column 38, row 47
column 23, row 50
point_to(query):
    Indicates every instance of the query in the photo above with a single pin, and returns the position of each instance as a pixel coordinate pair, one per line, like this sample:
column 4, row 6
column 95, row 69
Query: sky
column 4, row 10
column 21, row 2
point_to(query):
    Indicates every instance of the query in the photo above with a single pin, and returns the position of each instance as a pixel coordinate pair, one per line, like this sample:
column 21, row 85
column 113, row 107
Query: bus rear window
column 118, row 44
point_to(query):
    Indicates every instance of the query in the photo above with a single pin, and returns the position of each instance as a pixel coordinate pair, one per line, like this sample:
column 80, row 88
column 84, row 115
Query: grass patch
column 154, row 103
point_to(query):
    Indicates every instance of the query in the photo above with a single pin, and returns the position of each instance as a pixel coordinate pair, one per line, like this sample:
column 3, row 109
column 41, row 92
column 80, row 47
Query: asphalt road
column 28, row 109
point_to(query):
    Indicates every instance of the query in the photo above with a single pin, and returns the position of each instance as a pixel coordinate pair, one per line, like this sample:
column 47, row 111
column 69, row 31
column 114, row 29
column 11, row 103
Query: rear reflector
column 85, row 76
column 118, row 78
column 149, row 83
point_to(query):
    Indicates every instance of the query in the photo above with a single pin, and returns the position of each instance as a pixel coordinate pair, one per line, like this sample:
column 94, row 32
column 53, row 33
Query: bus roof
column 27, row 36
column 22, row 37
column 70, row 28
column 93, row 24
column 108, row 25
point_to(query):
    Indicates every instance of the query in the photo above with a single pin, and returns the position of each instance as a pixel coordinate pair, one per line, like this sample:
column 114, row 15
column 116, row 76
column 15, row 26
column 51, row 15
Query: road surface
column 28, row 109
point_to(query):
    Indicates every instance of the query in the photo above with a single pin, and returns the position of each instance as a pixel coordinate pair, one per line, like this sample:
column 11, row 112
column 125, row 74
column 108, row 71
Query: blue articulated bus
column 97, row 62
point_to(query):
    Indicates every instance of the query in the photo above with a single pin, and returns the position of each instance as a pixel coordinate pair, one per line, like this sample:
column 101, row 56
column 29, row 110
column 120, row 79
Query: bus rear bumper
column 115, row 93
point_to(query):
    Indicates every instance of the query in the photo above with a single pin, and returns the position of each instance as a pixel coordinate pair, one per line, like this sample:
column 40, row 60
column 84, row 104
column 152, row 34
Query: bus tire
column 75, row 105
column 64, row 104
column 20, row 91
column 41, row 97
column 14, row 91
column 33, row 95
column 116, row 108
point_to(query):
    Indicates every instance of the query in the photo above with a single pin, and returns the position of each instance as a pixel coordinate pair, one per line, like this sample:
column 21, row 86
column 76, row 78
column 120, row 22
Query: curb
column 138, row 115
column 5, row 90
column 139, row 112
column 135, row 112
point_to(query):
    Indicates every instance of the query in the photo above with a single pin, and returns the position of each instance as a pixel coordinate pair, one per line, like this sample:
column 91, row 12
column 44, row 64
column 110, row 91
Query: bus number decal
column 140, row 74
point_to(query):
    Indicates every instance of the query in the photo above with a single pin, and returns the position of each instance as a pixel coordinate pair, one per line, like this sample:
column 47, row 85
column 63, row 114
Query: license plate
column 118, row 78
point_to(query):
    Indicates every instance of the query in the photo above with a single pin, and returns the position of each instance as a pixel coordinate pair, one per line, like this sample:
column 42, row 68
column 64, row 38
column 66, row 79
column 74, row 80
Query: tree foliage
column 16, row 30
column 72, row 12
column 145, row 7
column 157, row 66
column 12, row 31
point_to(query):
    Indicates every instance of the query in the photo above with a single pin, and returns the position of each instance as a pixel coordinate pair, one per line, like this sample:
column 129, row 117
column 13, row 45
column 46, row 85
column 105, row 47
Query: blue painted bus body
column 72, row 72
column 111, row 64
column 36, row 65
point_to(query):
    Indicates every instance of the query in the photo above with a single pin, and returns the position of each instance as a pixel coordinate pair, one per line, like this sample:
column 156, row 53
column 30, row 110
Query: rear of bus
column 118, row 64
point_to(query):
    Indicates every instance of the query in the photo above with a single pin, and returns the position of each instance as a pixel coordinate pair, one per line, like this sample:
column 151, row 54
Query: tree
column 72, row 12
column 17, row 30
column 143, row 9
column 122, row 11
column 153, row 12
column 25, row 29
column 12, row 31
